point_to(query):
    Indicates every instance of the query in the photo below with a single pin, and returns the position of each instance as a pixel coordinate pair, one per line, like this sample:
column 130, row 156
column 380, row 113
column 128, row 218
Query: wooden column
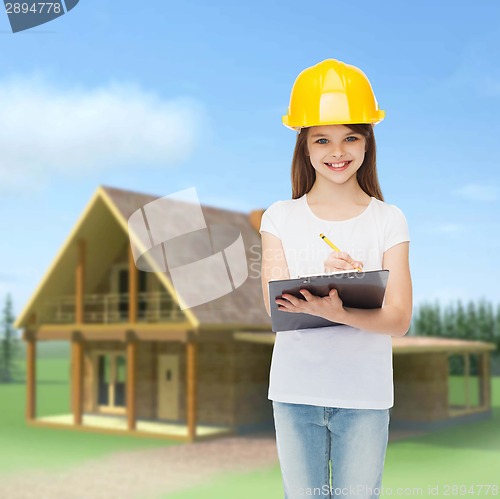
column 30, row 377
column 132, row 287
column 31, row 369
column 131, row 380
column 80, row 282
column 191, row 399
column 484, row 380
column 30, row 337
column 76, row 377
column 467, row 379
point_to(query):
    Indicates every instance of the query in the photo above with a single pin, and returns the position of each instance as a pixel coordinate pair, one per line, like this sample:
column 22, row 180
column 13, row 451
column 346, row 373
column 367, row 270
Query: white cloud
column 47, row 130
column 477, row 192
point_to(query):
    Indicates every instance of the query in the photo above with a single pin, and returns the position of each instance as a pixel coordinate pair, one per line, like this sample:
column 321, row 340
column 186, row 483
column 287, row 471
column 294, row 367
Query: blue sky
column 162, row 96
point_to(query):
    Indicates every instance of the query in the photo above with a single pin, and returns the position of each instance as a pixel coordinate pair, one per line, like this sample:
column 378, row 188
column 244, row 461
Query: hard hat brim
column 296, row 126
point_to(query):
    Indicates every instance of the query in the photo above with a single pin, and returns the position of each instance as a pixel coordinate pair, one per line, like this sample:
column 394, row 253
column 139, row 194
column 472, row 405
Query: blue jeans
column 308, row 436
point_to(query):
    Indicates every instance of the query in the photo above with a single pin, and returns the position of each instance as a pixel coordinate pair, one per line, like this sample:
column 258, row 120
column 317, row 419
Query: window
column 111, row 380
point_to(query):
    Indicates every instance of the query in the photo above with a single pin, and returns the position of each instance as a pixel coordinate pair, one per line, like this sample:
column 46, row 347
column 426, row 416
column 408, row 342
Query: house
column 142, row 364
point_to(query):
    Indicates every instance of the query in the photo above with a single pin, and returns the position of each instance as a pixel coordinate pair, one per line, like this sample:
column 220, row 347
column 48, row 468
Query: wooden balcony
column 112, row 308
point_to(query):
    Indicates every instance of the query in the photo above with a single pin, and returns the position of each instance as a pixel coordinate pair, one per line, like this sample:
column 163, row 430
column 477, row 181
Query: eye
column 350, row 137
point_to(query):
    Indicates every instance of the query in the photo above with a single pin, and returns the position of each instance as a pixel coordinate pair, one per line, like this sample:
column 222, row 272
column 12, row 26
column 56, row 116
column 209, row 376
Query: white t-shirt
column 333, row 366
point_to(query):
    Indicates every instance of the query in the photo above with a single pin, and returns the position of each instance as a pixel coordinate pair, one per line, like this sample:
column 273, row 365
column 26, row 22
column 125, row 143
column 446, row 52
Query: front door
column 168, row 386
column 111, row 369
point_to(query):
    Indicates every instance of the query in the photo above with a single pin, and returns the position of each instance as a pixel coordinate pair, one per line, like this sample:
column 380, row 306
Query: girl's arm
column 394, row 318
column 274, row 264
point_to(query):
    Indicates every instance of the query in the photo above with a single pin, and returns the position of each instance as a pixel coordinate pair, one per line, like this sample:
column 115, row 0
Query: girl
column 332, row 387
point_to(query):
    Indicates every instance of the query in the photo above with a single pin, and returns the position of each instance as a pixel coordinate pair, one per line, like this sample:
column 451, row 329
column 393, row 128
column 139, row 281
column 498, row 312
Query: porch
column 144, row 428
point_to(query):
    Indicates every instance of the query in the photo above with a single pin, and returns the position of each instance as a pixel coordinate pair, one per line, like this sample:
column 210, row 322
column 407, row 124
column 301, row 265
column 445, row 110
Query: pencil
column 327, row 241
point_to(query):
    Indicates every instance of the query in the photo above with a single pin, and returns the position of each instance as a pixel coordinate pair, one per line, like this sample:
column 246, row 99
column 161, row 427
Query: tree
column 486, row 321
column 449, row 326
column 496, row 327
column 9, row 344
column 461, row 322
column 427, row 320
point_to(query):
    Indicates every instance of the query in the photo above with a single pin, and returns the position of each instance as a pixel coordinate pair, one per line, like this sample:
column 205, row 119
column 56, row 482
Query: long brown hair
column 304, row 174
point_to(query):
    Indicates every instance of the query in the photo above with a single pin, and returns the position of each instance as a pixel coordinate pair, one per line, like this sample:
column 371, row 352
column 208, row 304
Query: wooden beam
column 77, row 377
column 131, row 380
column 80, row 282
column 132, row 287
column 191, row 399
column 117, row 332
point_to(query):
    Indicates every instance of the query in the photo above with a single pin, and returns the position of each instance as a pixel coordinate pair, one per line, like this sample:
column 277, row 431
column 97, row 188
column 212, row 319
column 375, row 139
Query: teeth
column 338, row 165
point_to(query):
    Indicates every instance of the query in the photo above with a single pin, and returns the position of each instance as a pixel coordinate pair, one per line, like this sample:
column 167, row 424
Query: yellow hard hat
column 329, row 93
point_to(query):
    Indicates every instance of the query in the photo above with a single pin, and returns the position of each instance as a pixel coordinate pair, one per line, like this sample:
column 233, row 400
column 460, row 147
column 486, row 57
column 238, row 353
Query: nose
column 336, row 151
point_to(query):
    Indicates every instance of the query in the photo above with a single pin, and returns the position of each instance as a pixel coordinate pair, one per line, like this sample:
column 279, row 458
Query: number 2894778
column 33, row 7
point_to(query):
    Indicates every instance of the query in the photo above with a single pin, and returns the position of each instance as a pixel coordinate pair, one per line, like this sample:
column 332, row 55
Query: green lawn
column 465, row 456
column 451, row 462
column 457, row 392
column 24, row 447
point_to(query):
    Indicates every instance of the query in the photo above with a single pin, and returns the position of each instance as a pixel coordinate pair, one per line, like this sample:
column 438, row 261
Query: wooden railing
column 152, row 306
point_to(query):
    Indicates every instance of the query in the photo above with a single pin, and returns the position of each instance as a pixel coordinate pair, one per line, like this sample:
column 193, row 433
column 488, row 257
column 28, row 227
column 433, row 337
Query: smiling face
column 329, row 148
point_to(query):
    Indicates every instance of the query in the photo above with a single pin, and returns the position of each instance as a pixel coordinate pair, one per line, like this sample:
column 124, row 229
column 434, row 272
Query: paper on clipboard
column 356, row 289
column 321, row 274
column 327, row 273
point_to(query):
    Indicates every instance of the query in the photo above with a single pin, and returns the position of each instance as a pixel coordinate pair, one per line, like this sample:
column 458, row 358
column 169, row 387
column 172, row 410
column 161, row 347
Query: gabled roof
column 242, row 306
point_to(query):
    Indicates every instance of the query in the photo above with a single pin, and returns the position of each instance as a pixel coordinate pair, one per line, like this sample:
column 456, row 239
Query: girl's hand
column 340, row 260
column 329, row 307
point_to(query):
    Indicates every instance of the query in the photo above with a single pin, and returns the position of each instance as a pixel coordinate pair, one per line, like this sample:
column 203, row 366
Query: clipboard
column 356, row 289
